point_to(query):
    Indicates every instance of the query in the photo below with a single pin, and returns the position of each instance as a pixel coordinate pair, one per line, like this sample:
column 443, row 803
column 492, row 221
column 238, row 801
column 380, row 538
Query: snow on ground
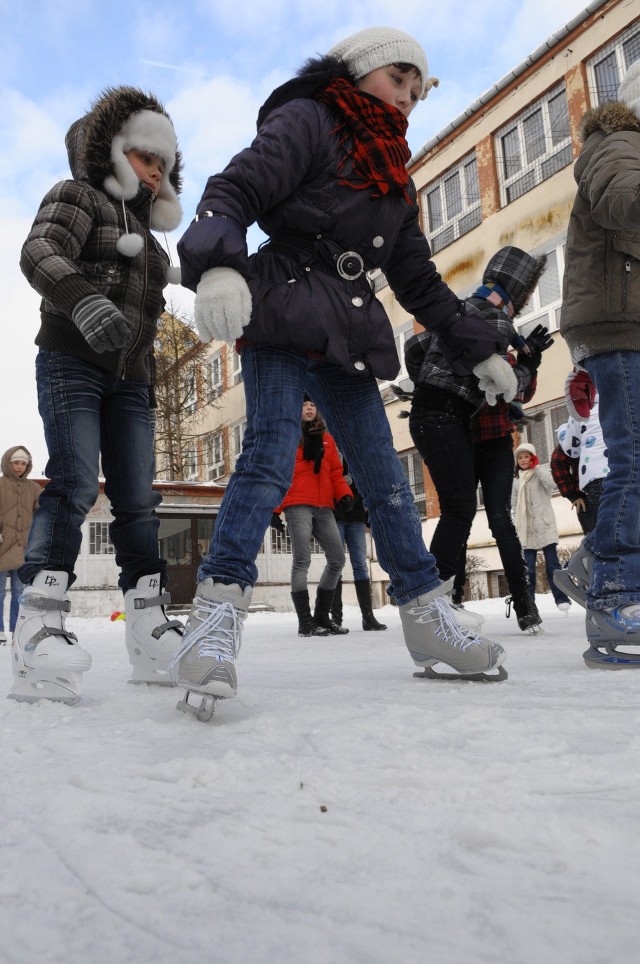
column 338, row 810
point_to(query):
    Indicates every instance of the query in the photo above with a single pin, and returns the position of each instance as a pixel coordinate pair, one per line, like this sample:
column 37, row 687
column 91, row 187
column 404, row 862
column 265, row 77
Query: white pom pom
column 130, row 245
column 174, row 275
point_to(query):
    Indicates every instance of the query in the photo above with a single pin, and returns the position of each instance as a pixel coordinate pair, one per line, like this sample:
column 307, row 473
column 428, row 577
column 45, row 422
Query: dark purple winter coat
column 288, row 181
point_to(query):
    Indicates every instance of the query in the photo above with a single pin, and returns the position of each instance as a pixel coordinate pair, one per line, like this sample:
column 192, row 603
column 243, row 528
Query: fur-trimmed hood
column 609, row 118
column 119, row 119
column 314, row 75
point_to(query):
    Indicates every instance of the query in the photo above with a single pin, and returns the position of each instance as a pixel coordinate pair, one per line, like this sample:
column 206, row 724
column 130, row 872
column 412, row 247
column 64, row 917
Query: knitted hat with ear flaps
column 377, row 47
column 629, row 89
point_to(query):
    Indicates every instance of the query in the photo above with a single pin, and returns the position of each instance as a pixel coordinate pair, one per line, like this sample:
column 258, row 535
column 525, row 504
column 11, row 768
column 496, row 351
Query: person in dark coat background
column 352, row 525
column 326, row 179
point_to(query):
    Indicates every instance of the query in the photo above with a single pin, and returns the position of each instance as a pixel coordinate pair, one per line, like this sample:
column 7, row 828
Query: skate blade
column 203, row 710
column 573, row 589
column 498, row 677
column 24, row 692
column 612, row 659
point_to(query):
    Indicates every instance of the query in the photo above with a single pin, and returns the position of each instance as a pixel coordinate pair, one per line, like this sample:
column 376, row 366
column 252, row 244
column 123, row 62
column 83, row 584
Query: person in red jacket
column 318, row 484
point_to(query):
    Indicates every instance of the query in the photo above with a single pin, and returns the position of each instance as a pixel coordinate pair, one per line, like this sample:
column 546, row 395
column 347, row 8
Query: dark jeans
column 593, row 493
column 87, row 412
column 16, row 588
column 444, row 442
column 551, row 563
column 494, row 472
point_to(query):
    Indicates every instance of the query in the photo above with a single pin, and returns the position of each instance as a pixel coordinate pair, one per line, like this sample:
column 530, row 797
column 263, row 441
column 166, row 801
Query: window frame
column 531, row 169
column 468, row 214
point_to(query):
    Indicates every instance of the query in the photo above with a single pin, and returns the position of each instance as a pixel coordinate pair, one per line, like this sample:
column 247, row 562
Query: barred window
column 100, row 543
column 543, row 307
column 534, row 146
column 452, row 204
column 606, row 68
column 214, row 376
column 214, row 455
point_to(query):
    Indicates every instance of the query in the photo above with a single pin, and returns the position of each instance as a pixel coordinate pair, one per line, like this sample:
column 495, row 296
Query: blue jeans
column 275, row 381
column 551, row 563
column 16, row 588
column 88, row 412
column 615, row 541
column 305, row 522
column 354, row 536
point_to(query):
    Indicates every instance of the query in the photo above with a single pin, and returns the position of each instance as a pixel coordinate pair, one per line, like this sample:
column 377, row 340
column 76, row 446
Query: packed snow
column 339, row 810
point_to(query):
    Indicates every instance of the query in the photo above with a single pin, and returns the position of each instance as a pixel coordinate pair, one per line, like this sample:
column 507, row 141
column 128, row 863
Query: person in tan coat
column 18, row 498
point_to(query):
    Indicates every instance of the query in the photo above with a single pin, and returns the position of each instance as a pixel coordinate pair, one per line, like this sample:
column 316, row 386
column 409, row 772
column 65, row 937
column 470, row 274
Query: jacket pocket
column 104, row 275
column 628, row 249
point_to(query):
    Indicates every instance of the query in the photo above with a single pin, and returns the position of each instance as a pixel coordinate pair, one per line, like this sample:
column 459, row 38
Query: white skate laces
column 216, row 635
column 448, row 629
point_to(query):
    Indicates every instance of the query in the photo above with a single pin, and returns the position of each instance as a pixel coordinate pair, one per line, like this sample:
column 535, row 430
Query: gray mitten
column 496, row 377
column 103, row 327
column 223, row 305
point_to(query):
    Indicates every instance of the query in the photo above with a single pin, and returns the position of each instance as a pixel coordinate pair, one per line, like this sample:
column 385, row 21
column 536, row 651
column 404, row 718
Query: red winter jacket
column 323, row 489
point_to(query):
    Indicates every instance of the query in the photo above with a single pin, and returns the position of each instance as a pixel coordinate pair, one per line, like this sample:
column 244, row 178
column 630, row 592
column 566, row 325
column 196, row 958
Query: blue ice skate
column 607, row 630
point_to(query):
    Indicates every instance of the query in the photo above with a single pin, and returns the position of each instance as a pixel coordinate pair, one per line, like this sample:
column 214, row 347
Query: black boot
column 336, row 604
column 363, row 592
column 307, row 626
column 321, row 613
column 525, row 609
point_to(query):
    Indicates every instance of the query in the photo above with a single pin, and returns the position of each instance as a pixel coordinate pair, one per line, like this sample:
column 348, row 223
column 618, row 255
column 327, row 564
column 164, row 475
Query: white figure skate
column 204, row 664
column 150, row 637
column 46, row 659
column 433, row 636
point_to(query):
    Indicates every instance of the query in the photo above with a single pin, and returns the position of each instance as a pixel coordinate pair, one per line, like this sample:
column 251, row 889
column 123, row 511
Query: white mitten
column 222, row 306
column 496, row 377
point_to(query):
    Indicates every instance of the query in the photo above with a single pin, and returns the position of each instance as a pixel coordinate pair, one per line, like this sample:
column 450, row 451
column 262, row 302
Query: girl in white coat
column 535, row 519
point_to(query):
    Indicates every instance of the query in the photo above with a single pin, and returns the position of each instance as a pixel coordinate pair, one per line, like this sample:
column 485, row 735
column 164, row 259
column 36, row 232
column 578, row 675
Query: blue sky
column 212, row 63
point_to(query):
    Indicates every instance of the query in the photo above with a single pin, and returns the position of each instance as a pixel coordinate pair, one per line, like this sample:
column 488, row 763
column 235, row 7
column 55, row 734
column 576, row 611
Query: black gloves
column 534, row 344
column 346, row 503
column 277, row 523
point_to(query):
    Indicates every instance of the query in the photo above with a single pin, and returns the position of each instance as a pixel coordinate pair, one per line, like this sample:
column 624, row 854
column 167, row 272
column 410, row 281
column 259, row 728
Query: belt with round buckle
column 349, row 265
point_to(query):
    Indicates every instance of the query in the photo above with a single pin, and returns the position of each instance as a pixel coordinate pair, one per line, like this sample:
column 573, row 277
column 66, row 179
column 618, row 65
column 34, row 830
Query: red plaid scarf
column 380, row 151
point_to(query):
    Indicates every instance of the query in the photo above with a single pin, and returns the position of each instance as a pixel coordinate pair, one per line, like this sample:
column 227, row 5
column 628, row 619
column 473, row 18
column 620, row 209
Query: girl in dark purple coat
column 326, row 180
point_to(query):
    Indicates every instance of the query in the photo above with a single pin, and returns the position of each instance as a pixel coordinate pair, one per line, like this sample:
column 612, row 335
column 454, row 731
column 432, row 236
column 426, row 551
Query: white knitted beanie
column 525, row 447
column 629, row 89
column 376, row 47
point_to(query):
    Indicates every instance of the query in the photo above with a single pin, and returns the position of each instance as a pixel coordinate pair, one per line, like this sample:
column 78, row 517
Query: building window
column 191, row 463
column 605, row 70
column 189, row 392
column 99, row 542
column 534, row 146
column 214, row 456
column 412, row 465
column 543, row 307
column 541, row 432
column 214, row 374
column 281, row 543
column 236, row 370
column 237, row 435
column 451, row 205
